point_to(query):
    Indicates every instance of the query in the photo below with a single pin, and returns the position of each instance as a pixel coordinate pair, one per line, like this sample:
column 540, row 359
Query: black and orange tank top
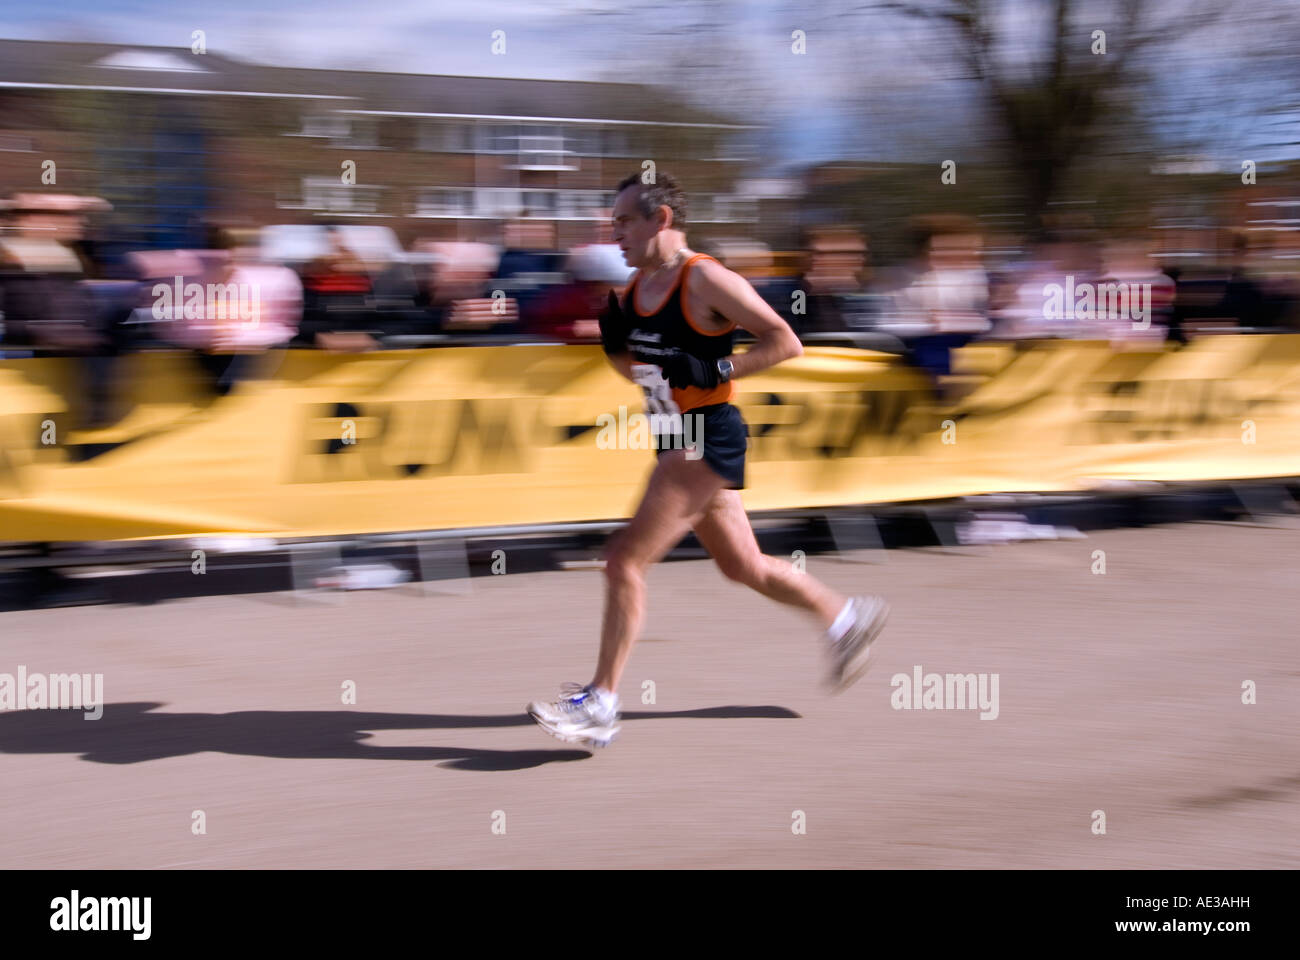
column 671, row 327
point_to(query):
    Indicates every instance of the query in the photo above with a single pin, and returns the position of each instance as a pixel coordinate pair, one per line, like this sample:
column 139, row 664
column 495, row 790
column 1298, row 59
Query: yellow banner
column 491, row 436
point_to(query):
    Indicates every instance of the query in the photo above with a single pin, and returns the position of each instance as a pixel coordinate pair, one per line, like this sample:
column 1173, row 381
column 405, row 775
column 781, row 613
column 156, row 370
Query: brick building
column 179, row 141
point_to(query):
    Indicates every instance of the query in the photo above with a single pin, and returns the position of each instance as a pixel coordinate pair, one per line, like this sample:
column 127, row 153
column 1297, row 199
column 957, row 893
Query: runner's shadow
column 727, row 713
column 133, row 733
column 1275, row 789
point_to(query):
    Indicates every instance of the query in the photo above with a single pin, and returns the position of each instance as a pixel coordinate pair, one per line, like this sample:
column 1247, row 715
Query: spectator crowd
column 349, row 288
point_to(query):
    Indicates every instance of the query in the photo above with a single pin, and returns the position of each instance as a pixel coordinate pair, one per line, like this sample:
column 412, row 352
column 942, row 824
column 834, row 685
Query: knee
column 747, row 571
column 620, row 566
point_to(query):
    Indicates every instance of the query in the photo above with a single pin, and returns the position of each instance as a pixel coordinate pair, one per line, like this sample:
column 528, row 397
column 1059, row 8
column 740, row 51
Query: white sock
column 842, row 623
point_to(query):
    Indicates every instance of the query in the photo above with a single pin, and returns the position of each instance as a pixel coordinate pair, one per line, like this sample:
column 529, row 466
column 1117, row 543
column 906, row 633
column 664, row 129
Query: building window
column 458, row 138
column 721, row 208
column 541, row 147
column 532, row 146
column 328, row 194
column 506, row 203
column 584, row 204
column 501, row 138
column 445, row 202
column 439, row 136
column 584, row 141
column 500, row 203
column 330, row 126
column 364, row 134
column 540, row 203
column 615, row 143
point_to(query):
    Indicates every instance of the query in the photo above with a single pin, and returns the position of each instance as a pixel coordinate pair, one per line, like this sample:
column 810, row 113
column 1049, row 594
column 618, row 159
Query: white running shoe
column 581, row 716
column 850, row 657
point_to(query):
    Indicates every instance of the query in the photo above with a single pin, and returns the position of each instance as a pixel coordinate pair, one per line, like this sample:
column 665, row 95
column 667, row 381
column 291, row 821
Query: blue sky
column 869, row 86
column 550, row 39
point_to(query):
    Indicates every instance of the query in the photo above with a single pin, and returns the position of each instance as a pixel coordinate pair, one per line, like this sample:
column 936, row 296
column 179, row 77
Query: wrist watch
column 725, row 369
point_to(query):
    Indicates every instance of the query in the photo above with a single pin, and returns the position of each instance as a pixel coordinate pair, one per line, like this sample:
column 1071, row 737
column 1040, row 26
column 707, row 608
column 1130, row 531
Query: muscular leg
column 725, row 532
column 678, row 491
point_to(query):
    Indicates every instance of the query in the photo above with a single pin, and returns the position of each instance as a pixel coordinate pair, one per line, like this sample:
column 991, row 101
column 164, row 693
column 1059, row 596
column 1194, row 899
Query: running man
column 672, row 335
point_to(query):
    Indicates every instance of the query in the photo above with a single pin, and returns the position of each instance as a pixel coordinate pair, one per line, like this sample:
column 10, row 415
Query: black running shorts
column 725, row 438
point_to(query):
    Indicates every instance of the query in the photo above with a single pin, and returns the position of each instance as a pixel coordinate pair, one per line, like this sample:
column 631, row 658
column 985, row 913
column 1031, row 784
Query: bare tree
column 1053, row 108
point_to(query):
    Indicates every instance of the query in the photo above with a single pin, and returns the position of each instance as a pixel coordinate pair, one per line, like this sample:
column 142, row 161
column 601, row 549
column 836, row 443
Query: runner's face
column 634, row 234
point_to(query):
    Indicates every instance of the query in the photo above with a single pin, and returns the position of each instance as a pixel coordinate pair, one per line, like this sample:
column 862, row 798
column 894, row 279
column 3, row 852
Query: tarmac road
column 1118, row 692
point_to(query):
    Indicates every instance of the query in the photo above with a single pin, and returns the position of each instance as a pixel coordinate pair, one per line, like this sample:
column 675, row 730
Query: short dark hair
column 664, row 192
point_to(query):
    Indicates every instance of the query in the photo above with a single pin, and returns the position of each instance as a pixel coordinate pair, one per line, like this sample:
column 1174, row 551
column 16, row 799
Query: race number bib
column 658, row 395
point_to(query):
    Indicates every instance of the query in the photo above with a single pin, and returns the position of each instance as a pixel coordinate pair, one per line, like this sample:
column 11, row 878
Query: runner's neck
column 672, row 261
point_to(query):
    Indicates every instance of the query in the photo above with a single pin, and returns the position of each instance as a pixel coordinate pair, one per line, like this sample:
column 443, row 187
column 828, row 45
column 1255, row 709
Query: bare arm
column 730, row 295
